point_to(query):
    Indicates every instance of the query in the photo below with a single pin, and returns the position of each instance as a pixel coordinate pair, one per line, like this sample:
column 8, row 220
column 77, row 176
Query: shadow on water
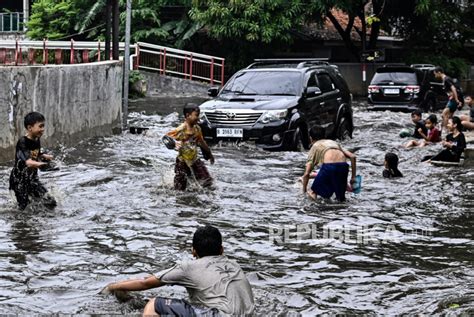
column 402, row 246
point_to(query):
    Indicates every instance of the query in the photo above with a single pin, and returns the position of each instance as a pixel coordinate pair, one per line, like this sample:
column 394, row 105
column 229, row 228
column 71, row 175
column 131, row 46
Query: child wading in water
column 24, row 179
column 391, row 166
column 454, row 145
column 189, row 137
column 433, row 135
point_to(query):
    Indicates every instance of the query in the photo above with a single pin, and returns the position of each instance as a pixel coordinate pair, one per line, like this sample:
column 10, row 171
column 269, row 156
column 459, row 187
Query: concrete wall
column 165, row 86
column 78, row 101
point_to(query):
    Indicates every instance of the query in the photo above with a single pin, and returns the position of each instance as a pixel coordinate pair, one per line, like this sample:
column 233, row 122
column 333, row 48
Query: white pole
column 126, row 65
column 26, row 13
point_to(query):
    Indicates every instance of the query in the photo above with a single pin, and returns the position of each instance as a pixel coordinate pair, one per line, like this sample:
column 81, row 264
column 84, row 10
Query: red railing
column 179, row 63
column 165, row 60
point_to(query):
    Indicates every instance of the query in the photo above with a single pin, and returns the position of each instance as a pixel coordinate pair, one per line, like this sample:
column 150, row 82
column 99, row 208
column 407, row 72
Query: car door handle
column 339, row 99
column 322, row 103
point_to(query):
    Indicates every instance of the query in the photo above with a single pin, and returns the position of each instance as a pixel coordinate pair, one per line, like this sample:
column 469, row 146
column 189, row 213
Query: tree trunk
column 346, row 35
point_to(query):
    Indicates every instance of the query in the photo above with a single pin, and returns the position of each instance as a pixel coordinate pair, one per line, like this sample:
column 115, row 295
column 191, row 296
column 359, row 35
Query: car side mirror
column 313, row 92
column 213, row 91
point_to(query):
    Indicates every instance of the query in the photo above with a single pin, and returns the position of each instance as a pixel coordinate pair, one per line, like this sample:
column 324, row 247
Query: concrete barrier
column 78, row 101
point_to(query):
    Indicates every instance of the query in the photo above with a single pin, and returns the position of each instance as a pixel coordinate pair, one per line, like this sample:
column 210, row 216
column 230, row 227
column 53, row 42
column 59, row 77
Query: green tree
column 51, row 19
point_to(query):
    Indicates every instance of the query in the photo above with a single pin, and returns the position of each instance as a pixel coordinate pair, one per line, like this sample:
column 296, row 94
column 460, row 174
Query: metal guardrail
column 11, row 22
column 165, row 60
column 175, row 62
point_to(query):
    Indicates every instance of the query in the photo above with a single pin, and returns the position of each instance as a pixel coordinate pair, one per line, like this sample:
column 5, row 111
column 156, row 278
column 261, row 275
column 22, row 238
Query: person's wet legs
column 150, row 309
column 201, row 173
column 181, row 171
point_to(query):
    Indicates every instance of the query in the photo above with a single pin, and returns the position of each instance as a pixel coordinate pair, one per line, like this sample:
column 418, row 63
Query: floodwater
column 401, row 246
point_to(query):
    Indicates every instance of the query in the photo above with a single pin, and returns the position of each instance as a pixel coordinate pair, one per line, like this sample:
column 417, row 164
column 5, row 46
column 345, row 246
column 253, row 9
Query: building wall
column 78, row 101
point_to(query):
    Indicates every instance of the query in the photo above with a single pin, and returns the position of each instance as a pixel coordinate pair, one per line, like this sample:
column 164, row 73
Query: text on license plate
column 391, row 91
column 230, row 132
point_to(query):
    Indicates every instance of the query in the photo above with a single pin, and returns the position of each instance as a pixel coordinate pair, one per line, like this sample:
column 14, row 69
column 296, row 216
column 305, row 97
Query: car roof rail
column 289, row 62
column 422, row 65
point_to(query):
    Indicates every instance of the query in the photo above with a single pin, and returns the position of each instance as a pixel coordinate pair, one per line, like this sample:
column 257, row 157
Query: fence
column 185, row 64
column 51, row 52
column 165, row 60
column 11, row 22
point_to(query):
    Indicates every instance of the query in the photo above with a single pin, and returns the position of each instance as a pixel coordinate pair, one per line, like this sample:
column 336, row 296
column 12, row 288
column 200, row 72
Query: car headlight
column 202, row 117
column 273, row 115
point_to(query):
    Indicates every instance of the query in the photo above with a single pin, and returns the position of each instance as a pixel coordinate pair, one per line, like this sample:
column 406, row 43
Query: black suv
column 276, row 102
column 406, row 88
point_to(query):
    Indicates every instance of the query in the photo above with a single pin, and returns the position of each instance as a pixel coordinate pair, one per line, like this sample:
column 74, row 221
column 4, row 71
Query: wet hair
column 32, row 118
column 417, row 113
column 317, row 133
column 190, row 108
column 207, row 241
column 438, row 69
column 457, row 122
column 433, row 118
column 392, row 164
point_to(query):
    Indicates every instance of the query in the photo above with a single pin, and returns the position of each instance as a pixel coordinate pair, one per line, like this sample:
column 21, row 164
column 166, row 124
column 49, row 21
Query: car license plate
column 391, row 91
column 229, row 133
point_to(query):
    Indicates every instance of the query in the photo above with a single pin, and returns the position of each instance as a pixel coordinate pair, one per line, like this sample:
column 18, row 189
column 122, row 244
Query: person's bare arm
column 352, row 157
column 34, row 164
column 455, row 94
column 207, row 149
column 136, row 284
column 305, row 178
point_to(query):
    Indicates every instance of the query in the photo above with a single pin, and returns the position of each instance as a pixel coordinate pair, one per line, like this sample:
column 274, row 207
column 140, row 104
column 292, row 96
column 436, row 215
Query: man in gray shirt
column 216, row 285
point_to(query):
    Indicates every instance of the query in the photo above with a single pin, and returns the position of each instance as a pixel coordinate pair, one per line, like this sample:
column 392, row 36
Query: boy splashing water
column 24, row 179
column 189, row 137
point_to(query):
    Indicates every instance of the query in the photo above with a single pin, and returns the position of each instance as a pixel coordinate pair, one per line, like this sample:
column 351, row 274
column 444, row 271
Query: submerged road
column 401, row 246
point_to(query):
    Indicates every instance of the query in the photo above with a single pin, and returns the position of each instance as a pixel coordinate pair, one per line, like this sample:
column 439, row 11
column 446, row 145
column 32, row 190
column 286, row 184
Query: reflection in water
column 400, row 247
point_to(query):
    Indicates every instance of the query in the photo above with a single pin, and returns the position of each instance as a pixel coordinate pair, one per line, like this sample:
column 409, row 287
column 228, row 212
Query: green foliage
column 135, row 76
column 253, row 21
column 51, row 19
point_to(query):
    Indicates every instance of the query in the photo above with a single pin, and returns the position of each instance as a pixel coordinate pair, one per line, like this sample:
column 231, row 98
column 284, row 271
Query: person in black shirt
column 24, row 179
column 452, row 92
column 419, row 124
column 454, row 145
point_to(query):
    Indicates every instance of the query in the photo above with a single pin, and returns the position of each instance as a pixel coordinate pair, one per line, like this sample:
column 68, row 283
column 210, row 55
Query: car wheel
column 297, row 141
column 343, row 131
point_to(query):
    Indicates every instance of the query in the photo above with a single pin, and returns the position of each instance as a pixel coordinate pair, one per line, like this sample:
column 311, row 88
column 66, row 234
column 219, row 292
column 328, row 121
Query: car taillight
column 374, row 89
column 412, row 89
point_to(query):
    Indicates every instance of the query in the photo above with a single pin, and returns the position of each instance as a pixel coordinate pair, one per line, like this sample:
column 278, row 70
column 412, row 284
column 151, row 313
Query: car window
column 265, row 83
column 312, row 81
column 398, row 78
column 325, row 83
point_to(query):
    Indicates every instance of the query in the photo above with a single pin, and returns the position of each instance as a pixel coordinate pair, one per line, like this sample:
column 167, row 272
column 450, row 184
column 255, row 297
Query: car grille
column 233, row 118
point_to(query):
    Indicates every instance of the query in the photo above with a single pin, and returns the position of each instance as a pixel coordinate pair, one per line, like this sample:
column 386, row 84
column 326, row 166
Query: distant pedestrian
column 332, row 176
column 24, row 179
column 391, row 166
column 453, row 95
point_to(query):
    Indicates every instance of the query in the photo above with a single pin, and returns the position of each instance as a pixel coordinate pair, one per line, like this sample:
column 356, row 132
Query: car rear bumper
column 393, row 107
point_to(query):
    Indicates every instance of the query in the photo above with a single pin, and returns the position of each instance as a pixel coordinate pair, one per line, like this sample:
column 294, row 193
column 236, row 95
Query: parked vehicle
column 406, row 88
column 276, row 102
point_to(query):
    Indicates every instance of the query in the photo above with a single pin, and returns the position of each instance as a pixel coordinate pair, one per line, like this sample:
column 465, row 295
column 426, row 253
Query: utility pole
column 126, row 65
column 115, row 29
column 108, row 17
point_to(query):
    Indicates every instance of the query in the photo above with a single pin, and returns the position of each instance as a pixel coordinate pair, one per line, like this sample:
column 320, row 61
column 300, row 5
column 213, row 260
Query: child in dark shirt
column 391, row 166
column 419, row 124
column 24, row 179
column 454, row 145
column 433, row 135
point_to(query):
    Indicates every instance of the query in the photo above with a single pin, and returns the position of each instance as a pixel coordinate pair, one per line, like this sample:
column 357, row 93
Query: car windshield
column 265, row 83
column 397, row 78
